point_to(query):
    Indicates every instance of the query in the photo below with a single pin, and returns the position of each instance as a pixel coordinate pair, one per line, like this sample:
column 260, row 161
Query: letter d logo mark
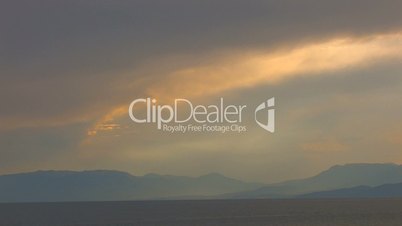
column 270, row 126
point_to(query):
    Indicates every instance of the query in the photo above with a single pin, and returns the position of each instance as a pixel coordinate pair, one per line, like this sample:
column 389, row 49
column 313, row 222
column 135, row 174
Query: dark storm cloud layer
column 65, row 64
column 56, row 56
column 103, row 30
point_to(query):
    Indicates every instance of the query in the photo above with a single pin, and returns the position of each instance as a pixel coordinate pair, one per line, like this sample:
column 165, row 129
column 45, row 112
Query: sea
column 253, row 212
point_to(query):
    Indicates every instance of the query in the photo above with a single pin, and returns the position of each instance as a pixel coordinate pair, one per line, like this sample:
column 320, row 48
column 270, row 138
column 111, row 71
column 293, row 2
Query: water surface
column 345, row 212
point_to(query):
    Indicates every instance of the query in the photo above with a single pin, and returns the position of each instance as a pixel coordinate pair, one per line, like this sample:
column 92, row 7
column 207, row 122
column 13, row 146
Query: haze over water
column 340, row 212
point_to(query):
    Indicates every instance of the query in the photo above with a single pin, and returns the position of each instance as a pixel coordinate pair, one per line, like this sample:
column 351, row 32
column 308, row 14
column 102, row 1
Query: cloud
column 234, row 70
column 324, row 146
column 84, row 61
column 247, row 70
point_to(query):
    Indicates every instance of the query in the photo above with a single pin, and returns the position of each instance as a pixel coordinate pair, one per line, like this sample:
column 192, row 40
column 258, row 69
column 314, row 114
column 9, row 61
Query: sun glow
column 234, row 71
column 259, row 67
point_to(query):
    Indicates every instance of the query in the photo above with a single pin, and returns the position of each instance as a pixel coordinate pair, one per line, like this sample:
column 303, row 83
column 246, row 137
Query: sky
column 70, row 69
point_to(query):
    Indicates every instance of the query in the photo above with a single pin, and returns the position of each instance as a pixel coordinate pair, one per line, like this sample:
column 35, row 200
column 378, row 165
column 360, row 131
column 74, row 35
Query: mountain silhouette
column 104, row 185
column 336, row 177
column 350, row 180
column 382, row 191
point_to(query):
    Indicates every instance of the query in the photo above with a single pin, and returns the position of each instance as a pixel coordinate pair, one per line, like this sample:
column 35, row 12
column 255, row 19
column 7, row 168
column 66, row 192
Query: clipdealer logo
column 183, row 116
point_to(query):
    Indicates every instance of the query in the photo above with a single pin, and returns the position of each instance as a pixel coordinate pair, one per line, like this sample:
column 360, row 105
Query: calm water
column 381, row 212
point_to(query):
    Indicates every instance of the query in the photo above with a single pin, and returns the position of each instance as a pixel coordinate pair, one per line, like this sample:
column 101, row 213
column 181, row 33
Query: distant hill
column 103, row 185
column 382, row 191
column 337, row 177
column 351, row 180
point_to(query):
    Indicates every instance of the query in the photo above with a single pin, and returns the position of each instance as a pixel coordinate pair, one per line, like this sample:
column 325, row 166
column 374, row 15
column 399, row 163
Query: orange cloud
column 259, row 67
column 394, row 137
column 233, row 71
column 328, row 145
column 106, row 123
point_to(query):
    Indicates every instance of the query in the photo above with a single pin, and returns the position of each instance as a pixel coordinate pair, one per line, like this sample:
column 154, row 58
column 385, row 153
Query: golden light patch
column 106, row 123
column 233, row 71
column 329, row 145
column 258, row 67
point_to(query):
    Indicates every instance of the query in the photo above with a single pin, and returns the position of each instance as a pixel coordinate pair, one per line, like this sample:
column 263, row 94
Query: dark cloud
column 69, row 61
column 60, row 52
column 54, row 36
column 39, row 148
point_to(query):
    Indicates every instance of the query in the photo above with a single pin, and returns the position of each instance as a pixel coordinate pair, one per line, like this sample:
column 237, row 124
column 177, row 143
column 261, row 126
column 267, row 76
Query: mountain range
column 104, row 185
column 336, row 177
column 350, row 180
column 382, row 191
